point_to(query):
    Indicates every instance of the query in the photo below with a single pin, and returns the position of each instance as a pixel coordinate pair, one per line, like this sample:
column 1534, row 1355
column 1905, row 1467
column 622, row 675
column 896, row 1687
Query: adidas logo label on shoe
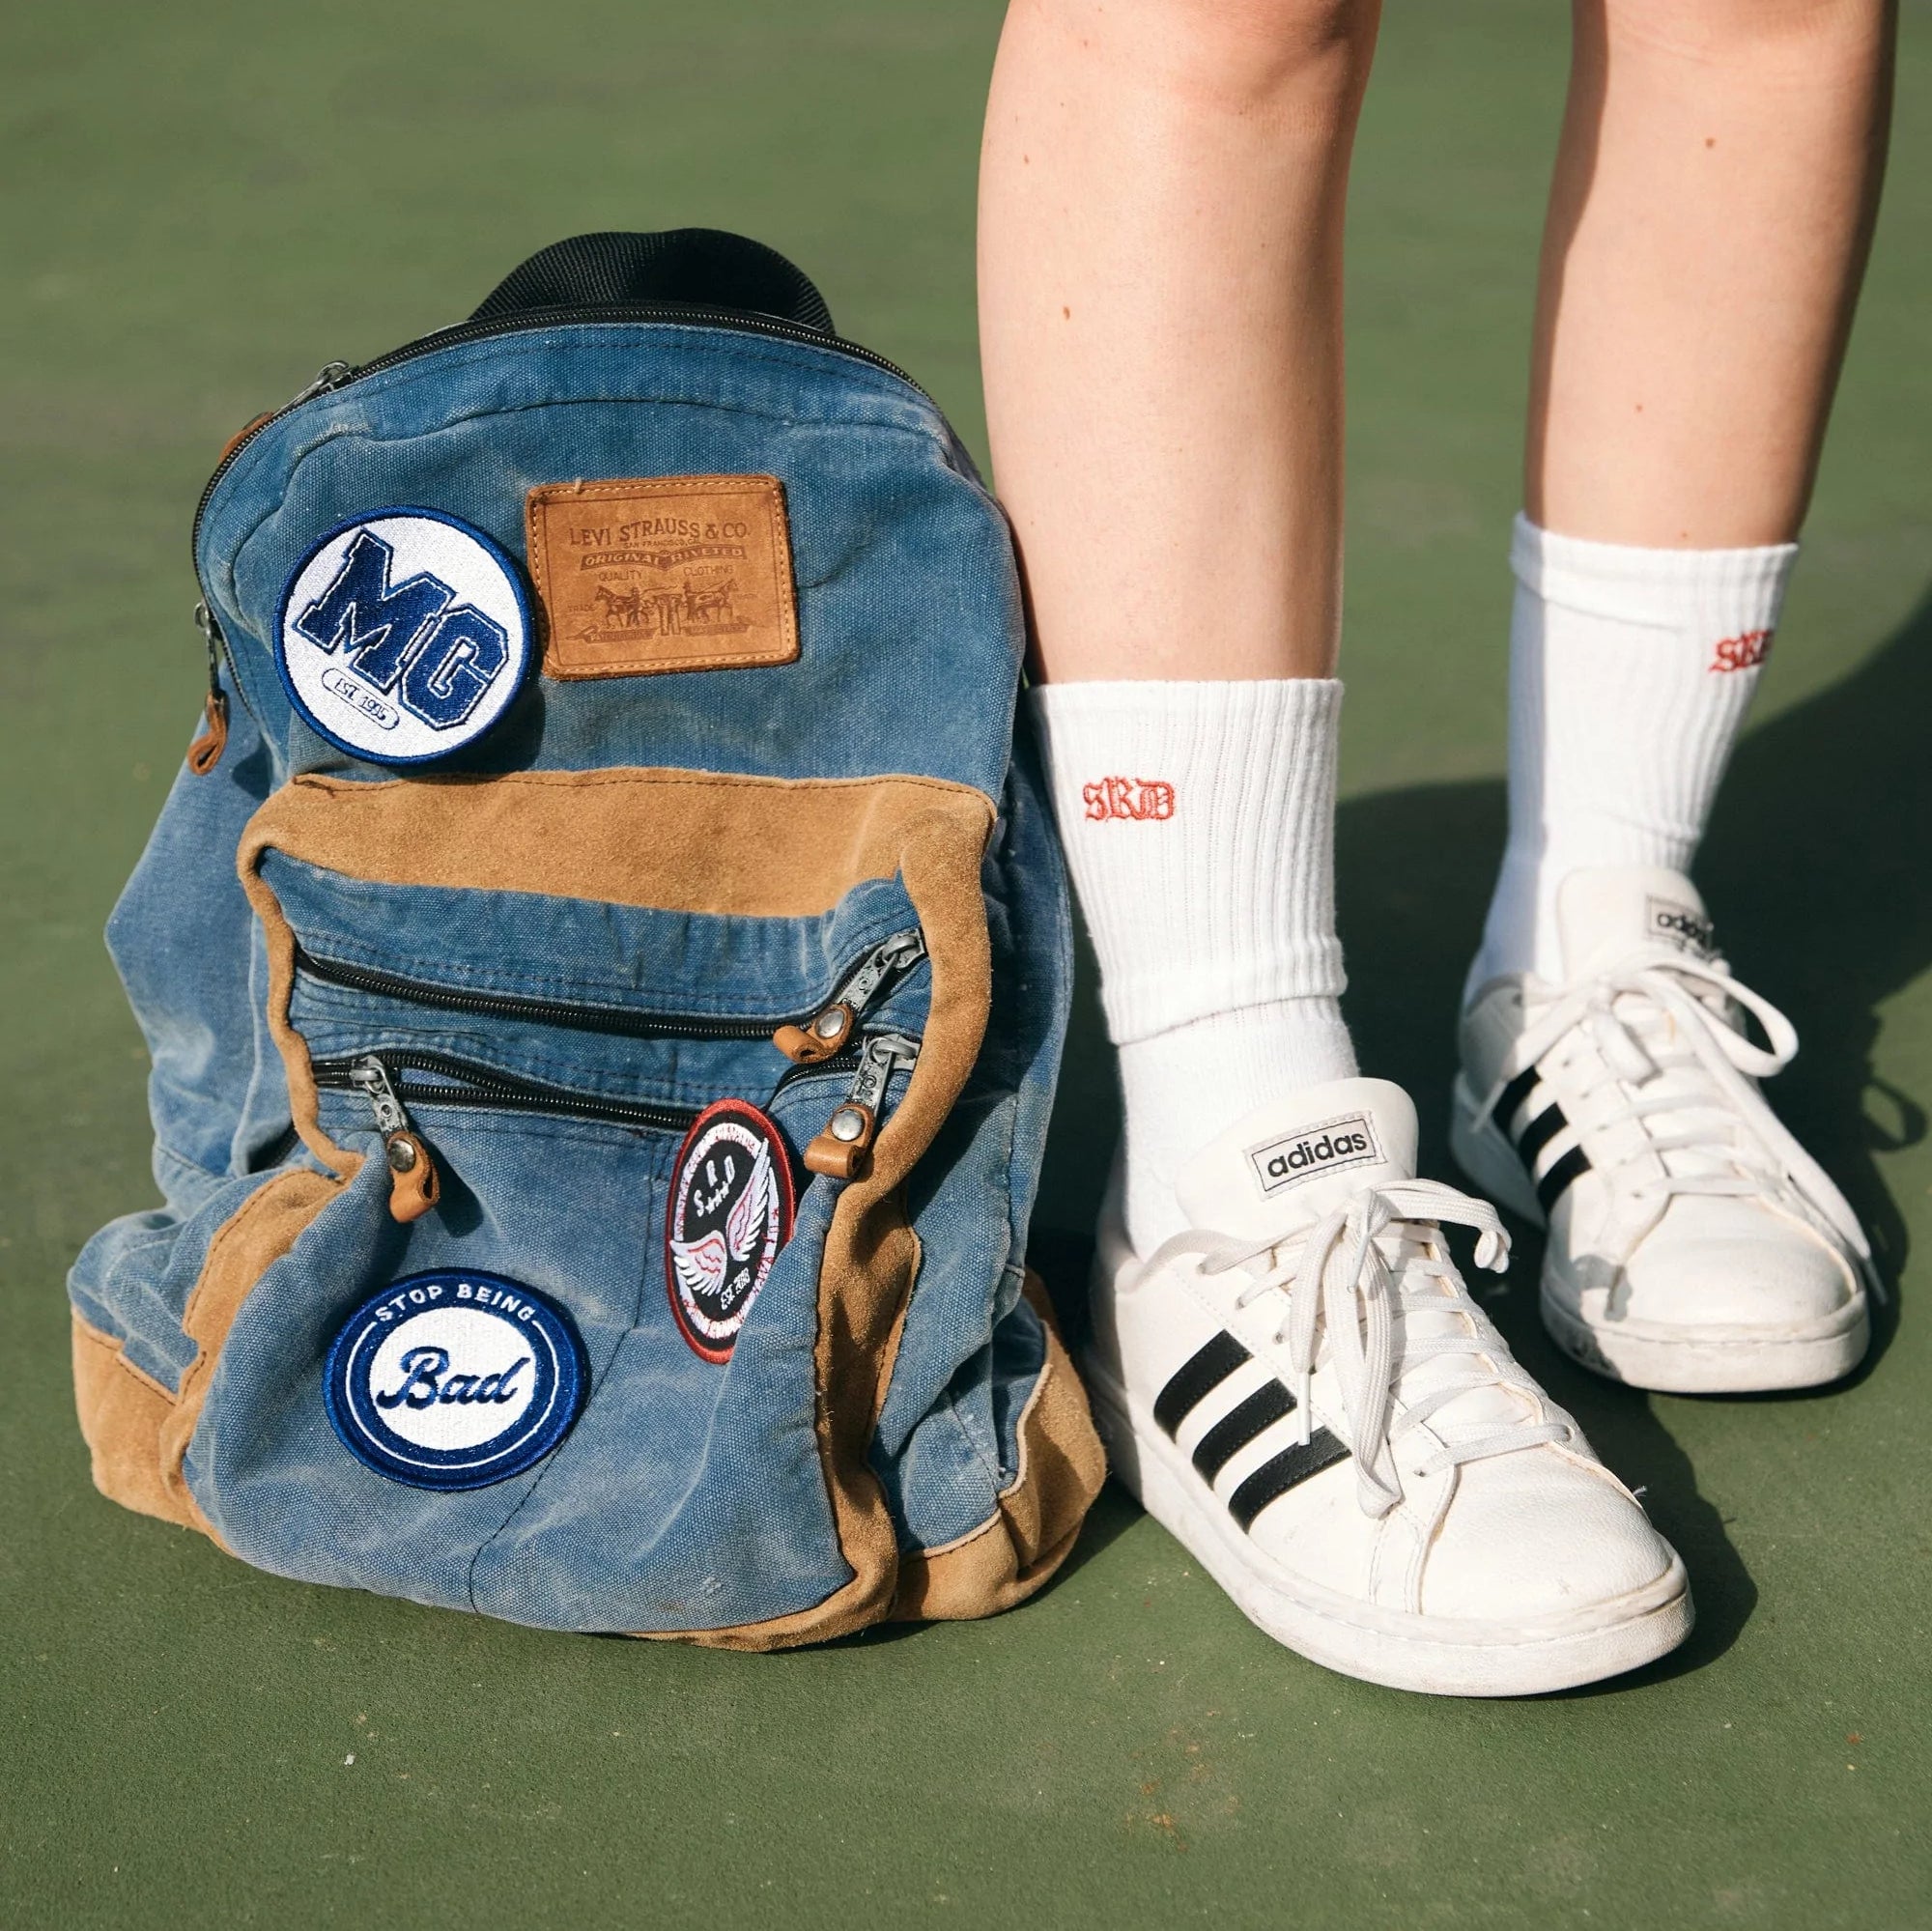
column 1680, row 927
column 1348, row 1141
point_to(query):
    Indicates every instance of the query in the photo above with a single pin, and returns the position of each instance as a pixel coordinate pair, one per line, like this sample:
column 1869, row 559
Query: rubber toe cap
column 1534, row 1535
column 1735, row 1265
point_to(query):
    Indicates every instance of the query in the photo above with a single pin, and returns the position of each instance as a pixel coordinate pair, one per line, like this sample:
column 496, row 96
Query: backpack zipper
column 462, row 1082
column 807, row 1038
column 414, row 1184
column 338, row 375
column 841, row 1149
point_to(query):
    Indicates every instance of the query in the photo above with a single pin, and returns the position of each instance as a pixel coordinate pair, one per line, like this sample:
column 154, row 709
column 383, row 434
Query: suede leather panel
column 717, row 844
column 1017, row 1551
column 136, row 1433
column 123, row 1413
column 250, row 1242
column 677, row 840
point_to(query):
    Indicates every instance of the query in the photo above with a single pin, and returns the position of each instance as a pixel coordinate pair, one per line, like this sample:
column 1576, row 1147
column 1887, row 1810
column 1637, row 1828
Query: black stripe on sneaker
column 1513, row 1096
column 1539, row 1132
column 1195, row 1378
column 1550, row 1189
column 1274, row 1478
column 1240, row 1426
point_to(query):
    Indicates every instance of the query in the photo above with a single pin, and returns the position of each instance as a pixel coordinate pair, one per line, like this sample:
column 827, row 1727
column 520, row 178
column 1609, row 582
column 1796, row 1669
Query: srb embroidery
column 1743, row 652
column 1140, row 798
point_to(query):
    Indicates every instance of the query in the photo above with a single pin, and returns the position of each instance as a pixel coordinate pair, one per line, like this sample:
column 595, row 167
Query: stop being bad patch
column 662, row 573
column 454, row 1380
column 404, row 636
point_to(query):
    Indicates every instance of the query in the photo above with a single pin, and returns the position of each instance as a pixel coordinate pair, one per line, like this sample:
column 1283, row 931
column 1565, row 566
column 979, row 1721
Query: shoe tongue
column 1282, row 1168
column 1604, row 913
column 1285, row 1165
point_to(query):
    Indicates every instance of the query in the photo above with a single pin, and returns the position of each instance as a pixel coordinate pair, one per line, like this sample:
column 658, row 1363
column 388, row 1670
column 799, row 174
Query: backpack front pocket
column 554, row 1356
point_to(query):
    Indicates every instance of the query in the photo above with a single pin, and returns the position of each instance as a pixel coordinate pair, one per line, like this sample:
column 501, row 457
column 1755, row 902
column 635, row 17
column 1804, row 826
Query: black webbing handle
column 694, row 267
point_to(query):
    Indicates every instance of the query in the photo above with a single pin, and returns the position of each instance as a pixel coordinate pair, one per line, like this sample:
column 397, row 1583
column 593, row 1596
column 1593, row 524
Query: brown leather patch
column 662, row 573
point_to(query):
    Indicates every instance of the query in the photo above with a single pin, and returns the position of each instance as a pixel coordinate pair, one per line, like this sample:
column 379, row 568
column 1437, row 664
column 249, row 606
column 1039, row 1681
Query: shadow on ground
column 1816, row 872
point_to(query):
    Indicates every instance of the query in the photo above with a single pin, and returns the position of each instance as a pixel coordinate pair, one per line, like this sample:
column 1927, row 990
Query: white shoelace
column 1645, row 1018
column 1346, row 1280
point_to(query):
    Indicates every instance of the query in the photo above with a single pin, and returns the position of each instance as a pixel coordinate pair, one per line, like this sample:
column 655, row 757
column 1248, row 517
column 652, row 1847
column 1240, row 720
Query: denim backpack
column 605, row 965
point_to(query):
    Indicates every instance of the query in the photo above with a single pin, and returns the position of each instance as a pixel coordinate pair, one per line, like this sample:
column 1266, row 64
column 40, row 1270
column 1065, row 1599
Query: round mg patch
column 404, row 636
column 730, row 1213
column 454, row 1380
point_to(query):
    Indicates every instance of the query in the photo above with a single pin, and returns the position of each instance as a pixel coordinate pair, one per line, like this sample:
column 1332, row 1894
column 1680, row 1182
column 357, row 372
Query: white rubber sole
column 1698, row 1362
column 1436, row 1656
column 1674, row 1361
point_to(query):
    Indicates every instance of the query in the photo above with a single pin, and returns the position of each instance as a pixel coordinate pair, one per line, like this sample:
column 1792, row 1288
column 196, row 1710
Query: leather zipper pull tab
column 825, row 1036
column 205, row 752
column 842, row 1148
column 414, row 1184
column 830, row 1029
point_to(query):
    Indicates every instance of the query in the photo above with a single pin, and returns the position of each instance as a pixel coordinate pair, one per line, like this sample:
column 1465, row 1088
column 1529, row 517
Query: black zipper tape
column 337, row 375
column 586, row 1018
column 465, row 1083
column 460, row 1082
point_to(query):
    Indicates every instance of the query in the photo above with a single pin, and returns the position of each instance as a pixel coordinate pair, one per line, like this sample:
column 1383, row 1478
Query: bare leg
column 1163, row 194
column 1161, row 205
column 1161, row 258
column 1709, row 221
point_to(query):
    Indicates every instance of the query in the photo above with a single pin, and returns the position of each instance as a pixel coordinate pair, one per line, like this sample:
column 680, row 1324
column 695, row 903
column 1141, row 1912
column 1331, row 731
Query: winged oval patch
column 730, row 1214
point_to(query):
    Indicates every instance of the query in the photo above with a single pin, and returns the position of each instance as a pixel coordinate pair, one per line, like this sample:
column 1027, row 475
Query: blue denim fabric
column 908, row 606
column 190, row 956
column 688, row 1494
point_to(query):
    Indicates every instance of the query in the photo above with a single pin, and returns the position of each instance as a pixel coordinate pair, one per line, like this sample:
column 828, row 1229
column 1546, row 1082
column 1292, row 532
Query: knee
column 1799, row 34
column 1241, row 54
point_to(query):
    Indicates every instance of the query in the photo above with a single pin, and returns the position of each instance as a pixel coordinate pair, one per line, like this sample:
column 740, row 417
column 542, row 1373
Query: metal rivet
column 828, row 1025
column 402, row 1155
column 848, row 1124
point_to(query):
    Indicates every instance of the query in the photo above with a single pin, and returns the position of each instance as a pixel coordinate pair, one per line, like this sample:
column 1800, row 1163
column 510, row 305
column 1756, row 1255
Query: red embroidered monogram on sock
column 1742, row 653
column 1128, row 798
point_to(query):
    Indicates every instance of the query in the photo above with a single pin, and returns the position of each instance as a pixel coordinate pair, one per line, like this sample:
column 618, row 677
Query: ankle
column 1631, row 672
column 1185, row 1086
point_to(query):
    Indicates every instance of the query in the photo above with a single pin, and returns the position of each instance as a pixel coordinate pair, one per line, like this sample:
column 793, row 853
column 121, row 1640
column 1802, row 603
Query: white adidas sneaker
column 1694, row 1244
column 1304, row 1392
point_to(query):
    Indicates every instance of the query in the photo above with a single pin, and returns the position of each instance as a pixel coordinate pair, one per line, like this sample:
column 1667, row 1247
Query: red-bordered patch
column 730, row 1213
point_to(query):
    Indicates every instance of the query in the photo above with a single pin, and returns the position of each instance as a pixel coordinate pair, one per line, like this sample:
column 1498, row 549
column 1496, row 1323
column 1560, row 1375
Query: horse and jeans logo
column 404, row 636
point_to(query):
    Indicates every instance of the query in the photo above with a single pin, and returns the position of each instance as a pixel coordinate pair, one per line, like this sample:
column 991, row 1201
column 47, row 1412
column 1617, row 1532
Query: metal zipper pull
column 413, row 1181
column 829, row 1030
column 842, row 1150
column 205, row 752
column 330, row 375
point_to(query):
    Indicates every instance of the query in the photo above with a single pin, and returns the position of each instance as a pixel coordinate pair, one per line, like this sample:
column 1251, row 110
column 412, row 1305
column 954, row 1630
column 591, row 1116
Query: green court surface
column 204, row 203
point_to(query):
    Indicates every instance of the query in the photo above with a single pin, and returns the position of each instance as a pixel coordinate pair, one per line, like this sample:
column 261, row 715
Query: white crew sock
column 1199, row 824
column 1631, row 671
